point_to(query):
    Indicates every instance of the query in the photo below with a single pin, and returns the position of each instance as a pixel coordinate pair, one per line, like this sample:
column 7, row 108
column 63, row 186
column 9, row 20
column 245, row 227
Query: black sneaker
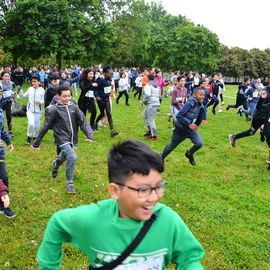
column 9, row 213
column 28, row 140
column 55, row 169
column 232, row 140
column 228, row 107
column 10, row 133
column 214, row 112
column 113, row 133
column 190, row 158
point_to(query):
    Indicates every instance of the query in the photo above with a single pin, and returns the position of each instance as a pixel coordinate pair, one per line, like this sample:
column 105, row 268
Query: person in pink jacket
column 160, row 82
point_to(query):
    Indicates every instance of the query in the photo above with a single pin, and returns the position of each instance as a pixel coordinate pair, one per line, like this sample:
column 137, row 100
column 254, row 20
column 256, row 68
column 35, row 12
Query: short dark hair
column 106, row 69
column 180, row 77
column 197, row 89
column 35, row 77
column 131, row 157
column 151, row 77
column 63, row 87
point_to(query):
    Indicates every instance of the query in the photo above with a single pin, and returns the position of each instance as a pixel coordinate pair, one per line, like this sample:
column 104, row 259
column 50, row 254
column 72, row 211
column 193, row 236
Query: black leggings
column 240, row 101
column 214, row 101
column 7, row 107
column 90, row 106
column 138, row 91
column 255, row 125
column 121, row 94
column 3, row 172
column 105, row 107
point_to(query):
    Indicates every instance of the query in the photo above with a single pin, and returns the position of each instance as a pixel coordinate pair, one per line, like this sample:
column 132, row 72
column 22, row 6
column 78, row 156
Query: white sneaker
column 223, row 103
column 220, row 110
column 100, row 123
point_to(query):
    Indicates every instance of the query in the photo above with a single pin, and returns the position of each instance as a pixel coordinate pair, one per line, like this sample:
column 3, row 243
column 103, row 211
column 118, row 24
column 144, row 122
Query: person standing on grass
column 51, row 91
column 103, row 230
column 241, row 99
column 65, row 118
column 151, row 100
column 138, row 86
column 160, row 82
column 179, row 96
column 207, row 97
column 4, row 137
column 258, row 118
column 35, row 95
column 216, row 85
column 102, row 95
column 252, row 94
column 6, row 96
column 123, row 88
column 187, row 122
column 86, row 100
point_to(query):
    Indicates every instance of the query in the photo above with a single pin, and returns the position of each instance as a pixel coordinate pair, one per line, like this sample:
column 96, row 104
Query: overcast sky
column 238, row 23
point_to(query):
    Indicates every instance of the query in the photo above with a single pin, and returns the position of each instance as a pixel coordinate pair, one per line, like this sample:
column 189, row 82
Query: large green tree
column 61, row 28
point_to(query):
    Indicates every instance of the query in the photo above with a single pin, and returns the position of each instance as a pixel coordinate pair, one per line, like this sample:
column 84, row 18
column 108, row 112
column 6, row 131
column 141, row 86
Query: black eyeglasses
column 145, row 191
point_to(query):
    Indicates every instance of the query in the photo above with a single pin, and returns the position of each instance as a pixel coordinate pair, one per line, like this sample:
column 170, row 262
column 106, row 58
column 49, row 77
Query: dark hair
column 35, row 77
column 85, row 72
column 214, row 75
column 131, row 157
column 197, row 89
column 151, row 77
column 121, row 74
column 246, row 79
column 180, row 77
column 4, row 72
column 63, row 87
column 106, row 69
column 204, row 80
column 54, row 77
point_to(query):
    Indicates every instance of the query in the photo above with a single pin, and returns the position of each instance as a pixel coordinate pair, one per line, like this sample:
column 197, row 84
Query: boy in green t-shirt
column 102, row 231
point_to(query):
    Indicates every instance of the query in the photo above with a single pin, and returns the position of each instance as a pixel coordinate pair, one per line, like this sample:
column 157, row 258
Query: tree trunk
column 15, row 59
column 59, row 59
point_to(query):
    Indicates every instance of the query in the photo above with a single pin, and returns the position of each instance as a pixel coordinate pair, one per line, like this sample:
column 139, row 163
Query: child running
column 35, row 95
column 65, row 118
column 104, row 230
column 186, row 124
column 4, row 202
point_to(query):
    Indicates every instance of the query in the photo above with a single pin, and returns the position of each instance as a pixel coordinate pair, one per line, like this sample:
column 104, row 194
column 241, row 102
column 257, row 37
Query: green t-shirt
column 99, row 232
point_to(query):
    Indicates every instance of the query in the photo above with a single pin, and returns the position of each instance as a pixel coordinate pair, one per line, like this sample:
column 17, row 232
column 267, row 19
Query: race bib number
column 255, row 94
column 90, row 94
column 107, row 89
column 7, row 94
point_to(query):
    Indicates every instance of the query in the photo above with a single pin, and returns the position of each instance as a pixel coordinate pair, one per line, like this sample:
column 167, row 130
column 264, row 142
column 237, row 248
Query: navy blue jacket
column 191, row 113
column 103, row 85
column 3, row 136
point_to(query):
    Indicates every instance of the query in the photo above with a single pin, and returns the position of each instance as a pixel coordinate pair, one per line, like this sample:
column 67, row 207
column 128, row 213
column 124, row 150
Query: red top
column 3, row 189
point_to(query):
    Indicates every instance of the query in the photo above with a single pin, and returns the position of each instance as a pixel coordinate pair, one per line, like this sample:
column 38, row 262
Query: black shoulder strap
column 131, row 247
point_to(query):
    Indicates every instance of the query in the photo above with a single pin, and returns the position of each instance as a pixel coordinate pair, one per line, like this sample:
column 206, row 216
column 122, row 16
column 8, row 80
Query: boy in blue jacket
column 4, row 136
column 187, row 121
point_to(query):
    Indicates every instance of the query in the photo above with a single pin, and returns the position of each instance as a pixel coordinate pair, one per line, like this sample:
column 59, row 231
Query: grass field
column 224, row 199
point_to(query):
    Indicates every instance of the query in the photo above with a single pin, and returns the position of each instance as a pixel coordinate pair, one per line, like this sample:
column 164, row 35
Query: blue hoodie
column 3, row 136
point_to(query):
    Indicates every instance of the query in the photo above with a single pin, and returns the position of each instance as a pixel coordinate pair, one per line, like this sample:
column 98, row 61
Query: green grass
column 224, row 199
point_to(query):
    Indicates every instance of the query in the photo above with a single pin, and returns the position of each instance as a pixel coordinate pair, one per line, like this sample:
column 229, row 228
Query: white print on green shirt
column 145, row 261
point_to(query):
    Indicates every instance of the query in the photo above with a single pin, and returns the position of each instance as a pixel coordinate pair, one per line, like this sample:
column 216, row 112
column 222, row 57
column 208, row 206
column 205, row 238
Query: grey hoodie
column 152, row 93
column 65, row 121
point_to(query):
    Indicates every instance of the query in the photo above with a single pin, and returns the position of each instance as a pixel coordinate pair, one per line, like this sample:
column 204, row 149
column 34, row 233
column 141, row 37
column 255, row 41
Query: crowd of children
column 141, row 173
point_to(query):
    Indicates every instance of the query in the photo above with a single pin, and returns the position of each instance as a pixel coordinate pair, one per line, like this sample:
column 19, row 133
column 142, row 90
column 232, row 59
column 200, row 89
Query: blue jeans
column 251, row 109
column 179, row 135
column 67, row 153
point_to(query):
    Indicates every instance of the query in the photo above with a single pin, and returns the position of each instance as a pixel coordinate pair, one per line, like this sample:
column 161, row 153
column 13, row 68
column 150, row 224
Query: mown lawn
column 224, row 199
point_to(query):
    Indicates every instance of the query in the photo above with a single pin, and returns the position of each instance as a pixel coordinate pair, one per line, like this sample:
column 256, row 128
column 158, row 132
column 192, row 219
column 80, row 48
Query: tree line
column 119, row 33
